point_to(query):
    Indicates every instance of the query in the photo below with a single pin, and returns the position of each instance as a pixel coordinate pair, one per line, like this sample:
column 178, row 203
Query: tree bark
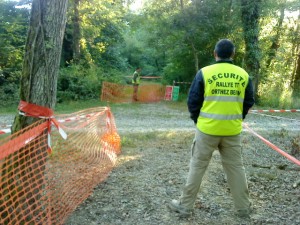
column 76, row 32
column 38, row 86
column 296, row 80
column 195, row 53
column 181, row 4
column 42, row 56
column 296, row 72
column 250, row 20
column 275, row 42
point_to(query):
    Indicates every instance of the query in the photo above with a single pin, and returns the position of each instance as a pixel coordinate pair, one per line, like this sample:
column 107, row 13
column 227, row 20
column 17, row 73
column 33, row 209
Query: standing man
column 219, row 99
column 135, row 82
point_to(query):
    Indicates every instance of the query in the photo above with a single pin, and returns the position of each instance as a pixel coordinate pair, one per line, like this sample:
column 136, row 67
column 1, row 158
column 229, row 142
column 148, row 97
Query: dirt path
column 154, row 163
column 153, row 166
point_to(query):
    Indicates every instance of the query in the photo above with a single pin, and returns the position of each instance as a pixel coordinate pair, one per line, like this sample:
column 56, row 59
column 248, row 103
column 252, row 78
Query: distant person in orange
column 136, row 77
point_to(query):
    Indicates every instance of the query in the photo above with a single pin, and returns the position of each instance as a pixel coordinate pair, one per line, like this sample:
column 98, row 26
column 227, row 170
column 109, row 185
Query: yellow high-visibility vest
column 138, row 78
column 222, row 110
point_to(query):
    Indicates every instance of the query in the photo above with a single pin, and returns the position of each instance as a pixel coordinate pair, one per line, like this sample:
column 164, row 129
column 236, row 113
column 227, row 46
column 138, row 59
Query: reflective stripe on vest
column 224, row 98
column 221, row 117
column 222, row 109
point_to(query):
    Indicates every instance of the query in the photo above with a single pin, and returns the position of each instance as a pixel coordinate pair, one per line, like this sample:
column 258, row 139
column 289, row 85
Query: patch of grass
column 156, row 138
column 9, row 109
column 180, row 105
column 124, row 106
column 128, row 142
column 134, row 138
column 3, row 136
column 65, row 107
column 283, row 99
column 74, row 106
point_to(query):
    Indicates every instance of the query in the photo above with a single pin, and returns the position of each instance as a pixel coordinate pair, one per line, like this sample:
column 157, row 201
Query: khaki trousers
column 230, row 151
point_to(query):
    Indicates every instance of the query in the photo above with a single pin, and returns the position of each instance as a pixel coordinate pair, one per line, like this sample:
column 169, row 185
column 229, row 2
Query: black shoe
column 243, row 213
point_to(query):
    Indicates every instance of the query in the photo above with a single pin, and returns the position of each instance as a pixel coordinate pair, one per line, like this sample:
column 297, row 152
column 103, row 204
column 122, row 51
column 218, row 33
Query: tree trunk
column 250, row 20
column 76, row 32
column 296, row 72
column 38, row 86
column 192, row 44
column 275, row 42
column 42, row 56
column 195, row 53
column 181, row 4
column 296, row 80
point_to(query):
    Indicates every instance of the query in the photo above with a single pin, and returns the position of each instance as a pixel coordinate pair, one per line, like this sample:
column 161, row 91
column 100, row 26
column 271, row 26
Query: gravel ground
column 152, row 169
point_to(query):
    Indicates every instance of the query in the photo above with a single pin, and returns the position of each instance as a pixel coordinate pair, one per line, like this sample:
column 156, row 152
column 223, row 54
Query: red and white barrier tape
column 37, row 111
column 5, row 131
column 274, row 147
column 276, row 117
column 274, row 110
column 75, row 118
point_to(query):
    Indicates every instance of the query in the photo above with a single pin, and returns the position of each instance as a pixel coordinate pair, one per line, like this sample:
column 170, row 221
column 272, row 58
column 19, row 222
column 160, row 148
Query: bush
column 9, row 94
column 79, row 83
column 278, row 97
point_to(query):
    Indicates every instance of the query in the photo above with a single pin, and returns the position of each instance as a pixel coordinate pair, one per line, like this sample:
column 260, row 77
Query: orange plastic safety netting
column 41, row 188
column 147, row 92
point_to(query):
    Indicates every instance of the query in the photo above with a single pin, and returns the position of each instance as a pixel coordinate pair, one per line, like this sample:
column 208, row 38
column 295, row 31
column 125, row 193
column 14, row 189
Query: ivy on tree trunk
column 42, row 56
column 250, row 19
column 296, row 72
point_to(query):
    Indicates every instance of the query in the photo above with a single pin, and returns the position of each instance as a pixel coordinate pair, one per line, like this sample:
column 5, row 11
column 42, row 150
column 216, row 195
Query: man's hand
column 194, row 118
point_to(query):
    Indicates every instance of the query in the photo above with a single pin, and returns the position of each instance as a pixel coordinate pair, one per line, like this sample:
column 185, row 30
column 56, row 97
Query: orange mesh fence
column 41, row 188
column 150, row 92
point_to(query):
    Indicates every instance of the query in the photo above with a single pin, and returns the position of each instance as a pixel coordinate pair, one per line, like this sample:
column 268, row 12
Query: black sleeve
column 249, row 98
column 196, row 96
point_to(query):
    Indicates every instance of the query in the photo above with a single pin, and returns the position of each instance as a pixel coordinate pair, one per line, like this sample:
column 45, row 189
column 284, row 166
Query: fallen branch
column 261, row 166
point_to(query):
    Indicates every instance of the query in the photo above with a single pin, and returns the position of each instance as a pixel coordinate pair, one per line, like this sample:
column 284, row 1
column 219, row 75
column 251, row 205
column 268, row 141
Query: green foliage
column 277, row 42
column 101, row 39
column 13, row 29
column 9, row 95
column 128, row 142
column 279, row 97
column 185, row 36
column 141, row 49
column 165, row 38
column 79, row 83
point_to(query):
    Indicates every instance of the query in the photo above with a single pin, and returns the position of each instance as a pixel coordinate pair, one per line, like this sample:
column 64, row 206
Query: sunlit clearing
column 125, row 159
column 136, row 5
